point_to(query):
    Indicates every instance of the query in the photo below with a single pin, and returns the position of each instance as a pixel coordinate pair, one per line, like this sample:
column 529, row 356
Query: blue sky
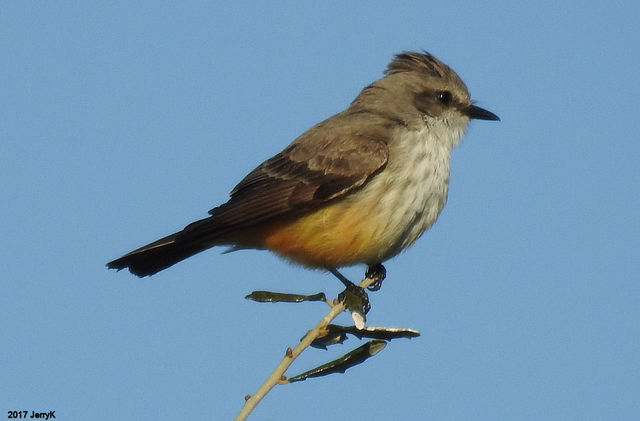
column 123, row 121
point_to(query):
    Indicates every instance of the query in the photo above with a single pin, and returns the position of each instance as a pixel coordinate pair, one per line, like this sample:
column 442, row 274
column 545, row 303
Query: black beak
column 480, row 113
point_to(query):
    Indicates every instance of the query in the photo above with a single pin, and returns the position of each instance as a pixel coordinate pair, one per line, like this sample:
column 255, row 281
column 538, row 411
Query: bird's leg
column 376, row 272
column 345, row 281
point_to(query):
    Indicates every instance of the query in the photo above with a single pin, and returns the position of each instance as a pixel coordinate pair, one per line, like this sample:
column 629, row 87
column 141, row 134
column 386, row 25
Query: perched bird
column 357, row 188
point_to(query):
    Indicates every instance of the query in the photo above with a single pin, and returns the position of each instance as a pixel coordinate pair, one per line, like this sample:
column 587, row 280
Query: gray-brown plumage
column 332, row 160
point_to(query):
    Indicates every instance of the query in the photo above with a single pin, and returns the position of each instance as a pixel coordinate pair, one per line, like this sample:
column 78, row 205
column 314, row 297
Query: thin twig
column 291, row 355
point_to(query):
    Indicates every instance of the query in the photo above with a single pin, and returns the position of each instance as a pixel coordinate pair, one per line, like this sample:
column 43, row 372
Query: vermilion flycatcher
column 359, row 187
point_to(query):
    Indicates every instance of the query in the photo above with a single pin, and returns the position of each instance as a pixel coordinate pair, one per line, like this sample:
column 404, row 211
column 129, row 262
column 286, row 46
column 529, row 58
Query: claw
column 376, row 272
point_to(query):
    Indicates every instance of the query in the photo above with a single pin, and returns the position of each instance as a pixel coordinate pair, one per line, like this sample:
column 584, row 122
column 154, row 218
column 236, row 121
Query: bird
column 357, row 188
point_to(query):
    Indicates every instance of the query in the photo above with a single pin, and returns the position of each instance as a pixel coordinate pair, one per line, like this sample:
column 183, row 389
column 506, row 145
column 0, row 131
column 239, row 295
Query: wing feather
column 321, row 165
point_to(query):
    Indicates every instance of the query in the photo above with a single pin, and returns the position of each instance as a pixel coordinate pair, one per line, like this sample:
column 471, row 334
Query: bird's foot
column 377, row 273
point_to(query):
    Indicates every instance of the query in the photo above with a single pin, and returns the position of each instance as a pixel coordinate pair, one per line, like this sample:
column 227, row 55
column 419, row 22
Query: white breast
column 407, row 196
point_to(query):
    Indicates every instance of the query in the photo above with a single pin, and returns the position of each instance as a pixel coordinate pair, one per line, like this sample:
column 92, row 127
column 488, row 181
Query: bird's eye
column 444, row 97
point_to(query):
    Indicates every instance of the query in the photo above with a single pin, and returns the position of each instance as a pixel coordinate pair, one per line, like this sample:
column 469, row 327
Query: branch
column 278, row 374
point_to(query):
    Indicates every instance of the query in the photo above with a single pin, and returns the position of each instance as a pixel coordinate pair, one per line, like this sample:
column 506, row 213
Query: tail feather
column 194, row 238
column 157, row 256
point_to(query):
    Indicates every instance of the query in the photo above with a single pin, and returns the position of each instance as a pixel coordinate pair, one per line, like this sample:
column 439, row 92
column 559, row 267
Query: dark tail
column 194, row 238
column 157, row 256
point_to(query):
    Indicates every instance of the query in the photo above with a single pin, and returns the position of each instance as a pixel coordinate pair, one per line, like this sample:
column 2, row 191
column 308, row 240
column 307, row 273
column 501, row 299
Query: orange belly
column 331, row 237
